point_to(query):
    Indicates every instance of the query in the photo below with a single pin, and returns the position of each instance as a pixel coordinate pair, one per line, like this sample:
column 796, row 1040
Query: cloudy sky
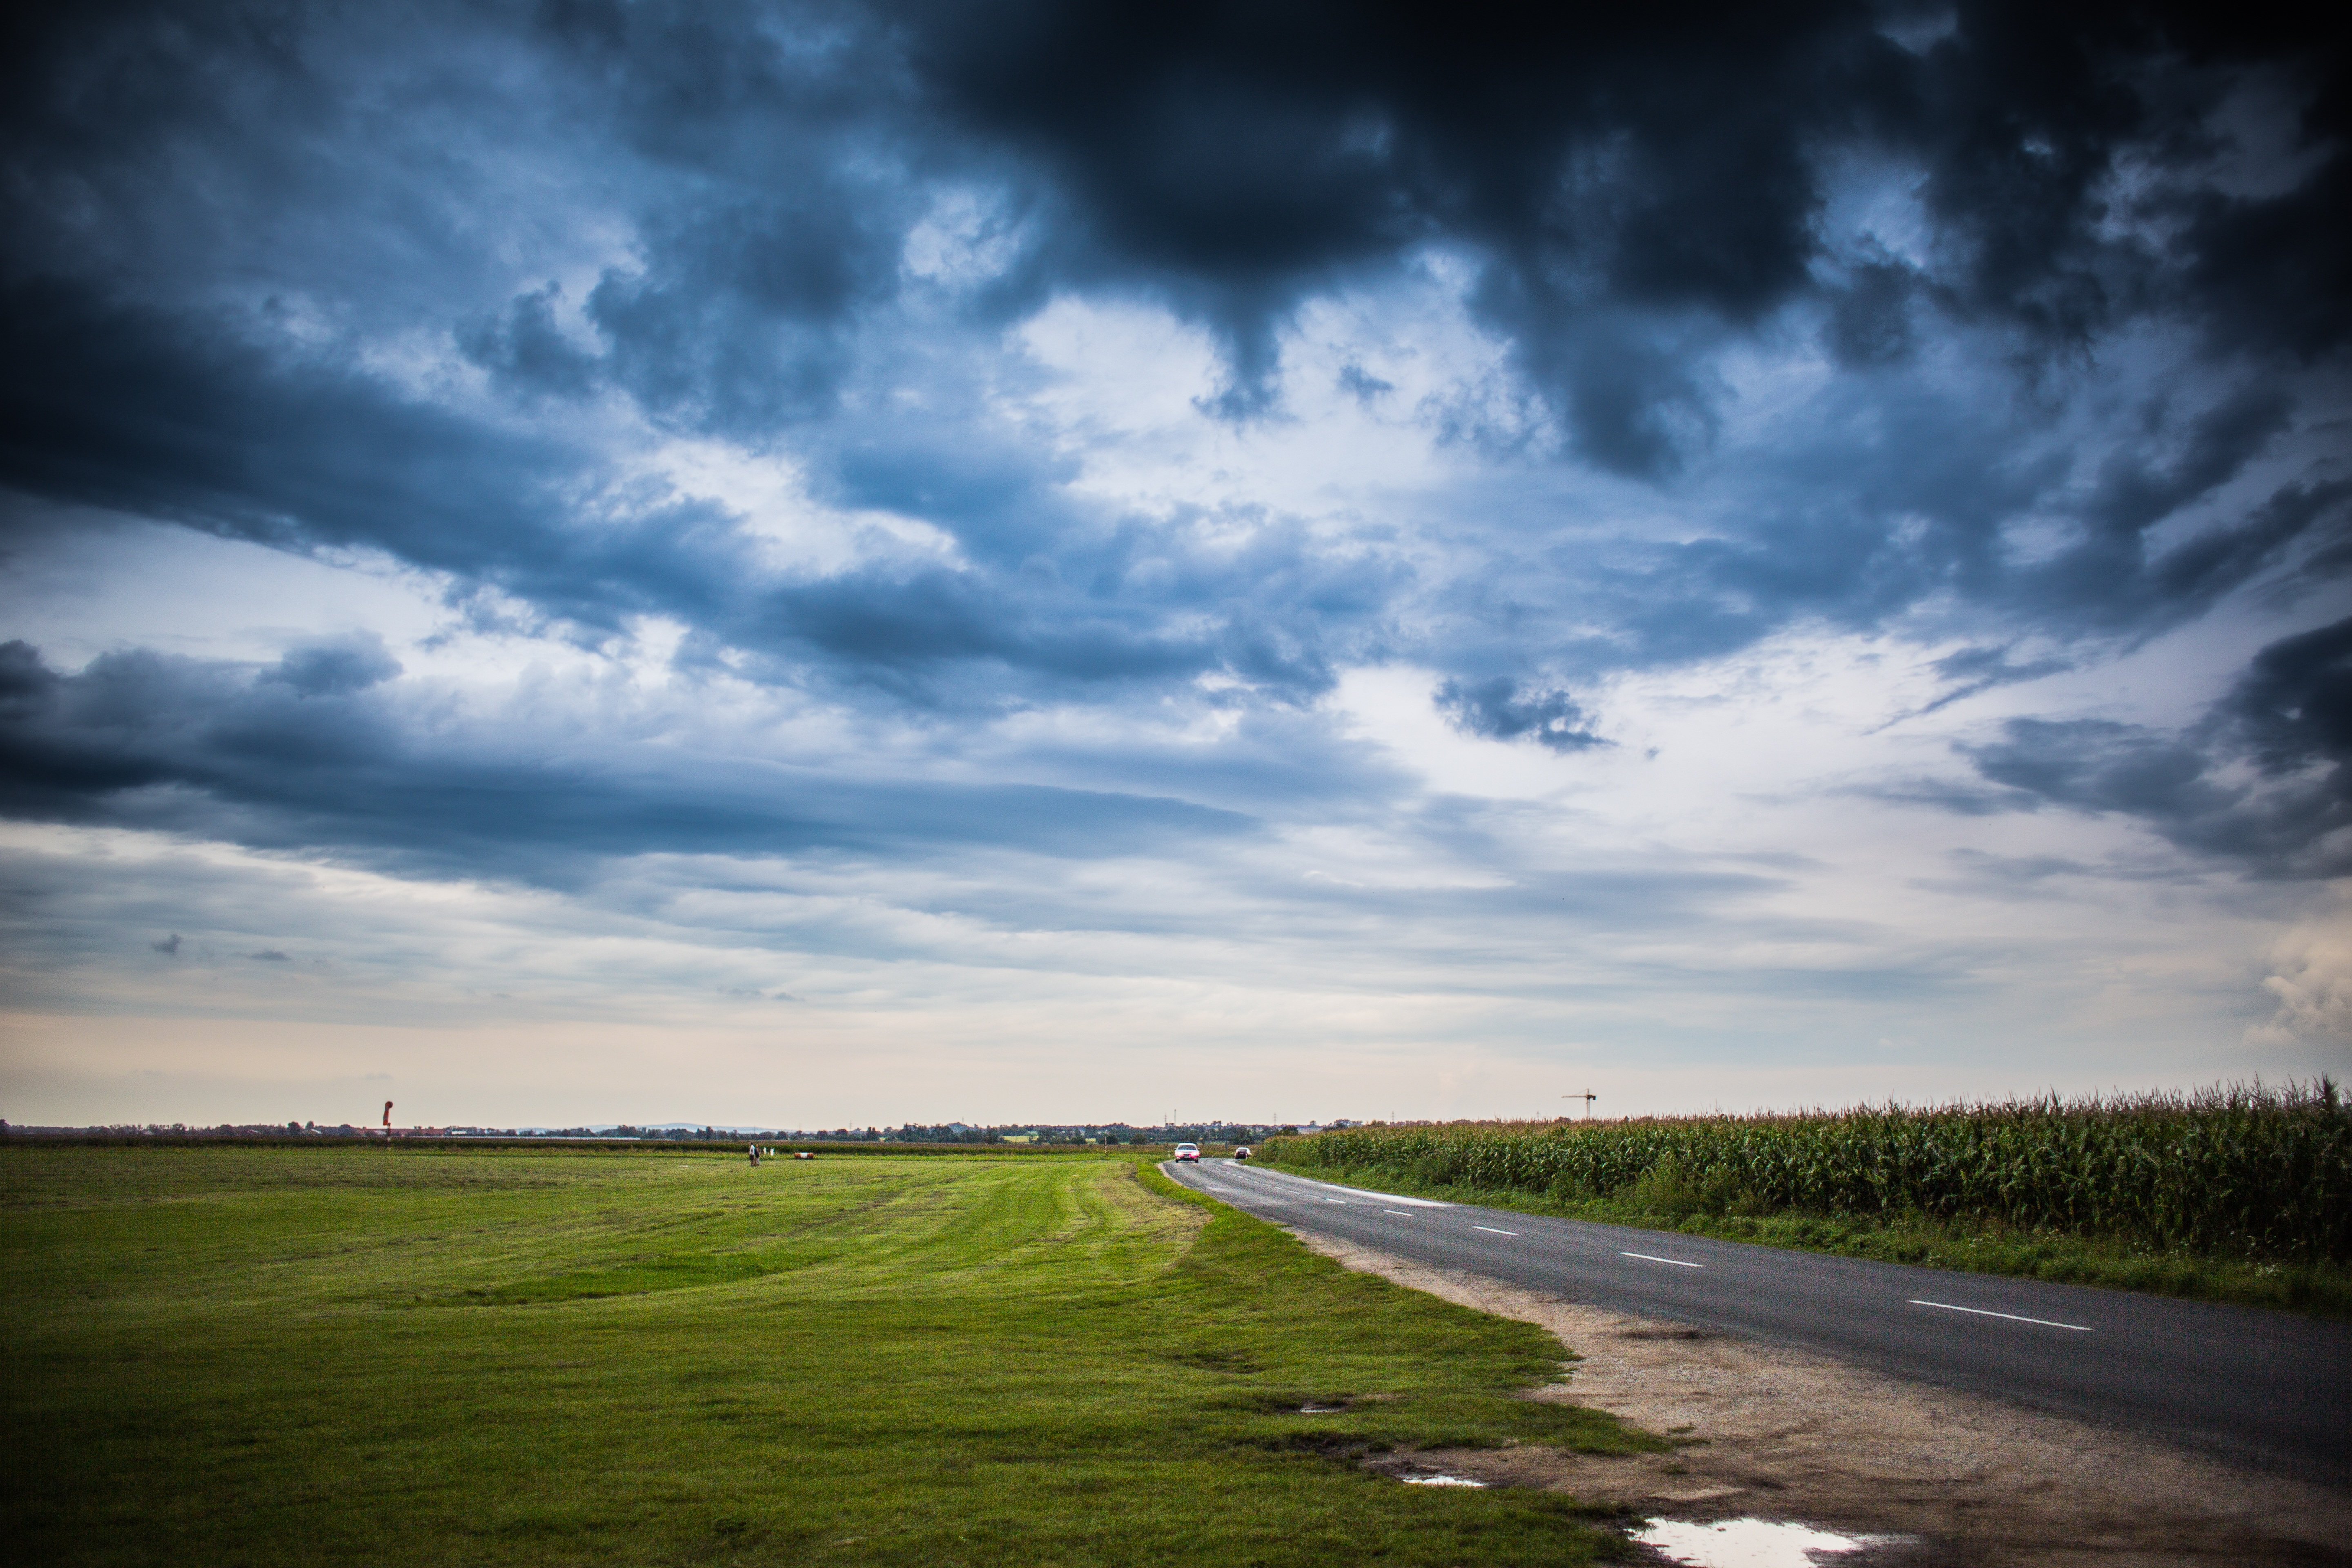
column 826, row 563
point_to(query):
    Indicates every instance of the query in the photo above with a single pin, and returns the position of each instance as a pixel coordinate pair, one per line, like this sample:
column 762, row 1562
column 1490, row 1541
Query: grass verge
column 269, row 1355
column 1983, row 1247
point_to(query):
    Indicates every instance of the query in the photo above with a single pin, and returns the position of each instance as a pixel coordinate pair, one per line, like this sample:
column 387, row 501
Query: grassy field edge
column 271, row 1356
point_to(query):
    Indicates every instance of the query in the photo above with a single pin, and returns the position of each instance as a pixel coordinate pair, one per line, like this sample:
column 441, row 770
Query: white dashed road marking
column 2012, row 1317
column 1676, row 1261
column 1490, row 1230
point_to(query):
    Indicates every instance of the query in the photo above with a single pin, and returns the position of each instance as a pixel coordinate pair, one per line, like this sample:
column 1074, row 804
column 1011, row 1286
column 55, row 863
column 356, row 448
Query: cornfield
column 2260, row 1172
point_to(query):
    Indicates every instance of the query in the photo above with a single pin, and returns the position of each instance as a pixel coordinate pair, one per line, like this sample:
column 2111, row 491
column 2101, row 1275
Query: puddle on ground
column 1752, row 1544
column 1320, row 1409
column 1440, row 1481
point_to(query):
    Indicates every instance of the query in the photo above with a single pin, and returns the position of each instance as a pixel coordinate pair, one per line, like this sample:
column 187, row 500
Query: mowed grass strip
column 264, row 1355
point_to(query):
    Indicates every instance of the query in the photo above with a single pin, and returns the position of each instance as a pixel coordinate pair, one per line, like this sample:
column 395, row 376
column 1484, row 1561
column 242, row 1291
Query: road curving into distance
column 2268, row 1388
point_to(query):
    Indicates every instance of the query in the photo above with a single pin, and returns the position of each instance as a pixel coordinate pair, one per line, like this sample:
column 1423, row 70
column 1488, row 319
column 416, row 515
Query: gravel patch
column 1766, row 1431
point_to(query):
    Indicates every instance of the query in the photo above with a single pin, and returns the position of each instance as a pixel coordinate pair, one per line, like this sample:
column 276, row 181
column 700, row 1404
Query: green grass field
column 264, row 1355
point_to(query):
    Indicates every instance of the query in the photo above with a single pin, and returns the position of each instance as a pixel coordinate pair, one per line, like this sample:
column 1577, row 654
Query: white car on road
column 1189, row 1152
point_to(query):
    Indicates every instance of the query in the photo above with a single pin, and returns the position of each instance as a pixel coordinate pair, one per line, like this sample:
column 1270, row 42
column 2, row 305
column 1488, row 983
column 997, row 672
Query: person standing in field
column 755, row 1152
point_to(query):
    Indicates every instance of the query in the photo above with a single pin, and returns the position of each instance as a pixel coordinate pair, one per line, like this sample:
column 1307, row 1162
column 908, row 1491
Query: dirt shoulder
column 1776, row 1433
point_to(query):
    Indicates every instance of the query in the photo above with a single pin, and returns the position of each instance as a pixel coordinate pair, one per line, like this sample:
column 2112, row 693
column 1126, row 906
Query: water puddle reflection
column 1752, row 1544
column 1440, row 1481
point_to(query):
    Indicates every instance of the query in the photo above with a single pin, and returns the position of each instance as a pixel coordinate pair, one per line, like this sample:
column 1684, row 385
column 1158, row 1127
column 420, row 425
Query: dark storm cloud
column 1975, row 669
column 128, row 409
column 135, row 410
column 1637, row 190
column 2289, row 717
column 142, row 740
column 1899, row 498
column 2096, row 764
column 162, row 415
column 527, row 353
column 1870, row 320
column 737, row 323
column 218, row 218
column 1232, row 158
column 1643, row 163
column 1501, row 709
column 337, row 667
column 905, row 632
column 2293, row 709
column 2132, row 563
column 2109, row 575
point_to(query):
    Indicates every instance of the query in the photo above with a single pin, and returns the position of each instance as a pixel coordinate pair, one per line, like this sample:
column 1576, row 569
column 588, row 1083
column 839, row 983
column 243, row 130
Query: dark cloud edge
column 144, row 741
column 2288, row 720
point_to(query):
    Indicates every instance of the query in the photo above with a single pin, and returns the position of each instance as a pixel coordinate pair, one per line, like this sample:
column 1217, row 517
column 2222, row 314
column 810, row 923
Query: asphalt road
column 2263, row 1387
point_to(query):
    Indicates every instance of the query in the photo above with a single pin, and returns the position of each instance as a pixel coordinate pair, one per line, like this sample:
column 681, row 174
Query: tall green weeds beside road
column 392, row 1356
column 2256, row 1178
